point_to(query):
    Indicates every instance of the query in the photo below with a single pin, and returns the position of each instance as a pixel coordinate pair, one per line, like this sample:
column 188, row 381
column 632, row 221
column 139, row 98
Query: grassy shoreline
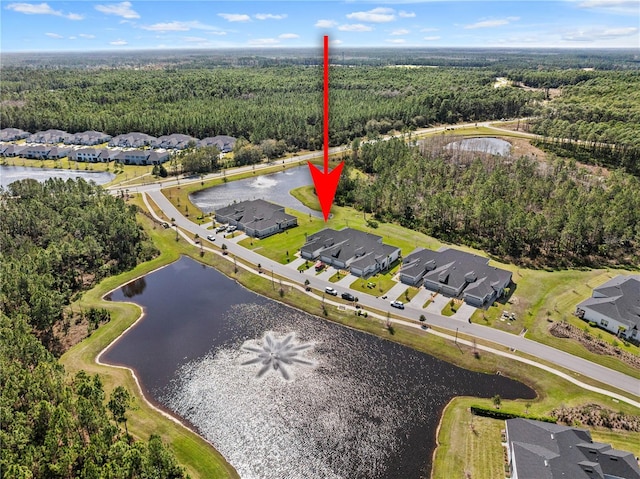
column 200, row 459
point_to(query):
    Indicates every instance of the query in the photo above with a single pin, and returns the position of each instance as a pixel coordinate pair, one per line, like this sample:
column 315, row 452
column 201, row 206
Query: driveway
column 396, row 291
column 347, row 280
column 295, row 263
column 439, row 302
column 420, row 298
column 326, row 274
column 464, row 312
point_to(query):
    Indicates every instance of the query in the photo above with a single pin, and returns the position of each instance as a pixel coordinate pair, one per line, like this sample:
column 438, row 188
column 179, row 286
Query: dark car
column 348, row 296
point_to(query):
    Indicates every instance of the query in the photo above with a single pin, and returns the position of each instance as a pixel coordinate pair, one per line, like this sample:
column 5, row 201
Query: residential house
column 257, row 218
column 363, row 254
column 224, row 143
column 12, row 134
column 132, row 140
column 13, row 150
column 88, row 155
column 142, row 157
column 49, row 137
column 88, row 138
column 541, row 450
column 58, row 152
column 615, row 306
column 457, row 274
column 36, row 152
column 175, row 142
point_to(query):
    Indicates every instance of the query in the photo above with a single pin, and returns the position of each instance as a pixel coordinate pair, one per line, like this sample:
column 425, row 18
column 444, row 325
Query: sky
column 148, row 24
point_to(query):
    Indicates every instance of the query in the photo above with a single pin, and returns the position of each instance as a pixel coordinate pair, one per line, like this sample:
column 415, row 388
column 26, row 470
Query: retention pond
column 281, row 393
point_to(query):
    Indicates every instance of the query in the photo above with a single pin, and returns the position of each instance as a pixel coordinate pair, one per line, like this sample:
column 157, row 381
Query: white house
column 615, row 306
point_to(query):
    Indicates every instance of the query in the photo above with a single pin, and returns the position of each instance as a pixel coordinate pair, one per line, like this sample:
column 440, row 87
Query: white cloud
column 270, row 16
column 595, row 34
column 403, row 14
column 118, row 43
column 426, row 30
column 264, row 41
column 401, row 31
column 431, row 39
column 288, row 35
column 53, row 35
column 326, row 23
column 492, row 23
column 355, row 27
column 180, row 27
column 122, row 9
column 377, row 15
column 625, row 7
column 235, row 17
column 86, row 35
column 41, row 9
column 217, row 33
column 195, row 39
column 396, row 40
column 337, row 42
column 72, row 38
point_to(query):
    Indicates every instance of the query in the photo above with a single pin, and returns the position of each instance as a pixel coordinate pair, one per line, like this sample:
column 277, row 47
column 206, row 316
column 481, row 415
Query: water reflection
column 274, row 187
column 368, row 408
column 492, row 146
column 134, row 288
column 9, row 174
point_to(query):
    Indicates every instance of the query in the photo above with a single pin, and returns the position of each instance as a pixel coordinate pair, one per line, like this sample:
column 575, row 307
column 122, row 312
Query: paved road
column 587, row 368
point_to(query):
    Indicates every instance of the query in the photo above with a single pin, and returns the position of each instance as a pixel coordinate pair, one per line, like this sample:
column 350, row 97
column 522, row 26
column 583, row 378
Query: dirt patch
column 593, row 344
column 523, row 147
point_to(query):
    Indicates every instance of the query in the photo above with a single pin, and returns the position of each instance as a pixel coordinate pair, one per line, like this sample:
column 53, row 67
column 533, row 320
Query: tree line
column 259, row 104
column 57, row 239
column 544, row 214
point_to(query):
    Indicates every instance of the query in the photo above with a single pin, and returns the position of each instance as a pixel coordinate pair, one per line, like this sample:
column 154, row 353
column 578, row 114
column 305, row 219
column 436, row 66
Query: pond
column 274, row 187
column 492, row 146
column 281, row 393
column 9, row 174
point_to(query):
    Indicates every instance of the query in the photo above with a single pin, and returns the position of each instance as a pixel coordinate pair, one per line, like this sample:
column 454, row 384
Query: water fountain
column 277, row 355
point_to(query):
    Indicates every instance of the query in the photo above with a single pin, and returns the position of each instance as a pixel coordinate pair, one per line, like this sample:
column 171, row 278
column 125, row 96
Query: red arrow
column 326, row 182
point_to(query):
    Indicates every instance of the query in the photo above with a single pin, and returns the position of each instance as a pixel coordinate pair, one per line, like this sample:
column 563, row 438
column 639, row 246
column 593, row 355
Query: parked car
column 220, row 228
column 231, row 229
column 331, row 291
column 348, row 296
column 211, row 238
column 397, row 304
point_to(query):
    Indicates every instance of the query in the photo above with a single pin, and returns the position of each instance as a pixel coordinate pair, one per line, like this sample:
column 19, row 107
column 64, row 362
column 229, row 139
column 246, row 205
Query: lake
column 493, row 146
column 274, row 187
column 354, row 406
column 9, row 174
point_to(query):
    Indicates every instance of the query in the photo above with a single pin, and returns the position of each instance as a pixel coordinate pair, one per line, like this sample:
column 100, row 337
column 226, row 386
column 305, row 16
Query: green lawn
column 449, row 310
column 408, row 294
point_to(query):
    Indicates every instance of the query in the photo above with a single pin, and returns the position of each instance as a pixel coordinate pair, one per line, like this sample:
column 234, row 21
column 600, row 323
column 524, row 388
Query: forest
column 57, row 239
column 551, row 214
column 272, row 103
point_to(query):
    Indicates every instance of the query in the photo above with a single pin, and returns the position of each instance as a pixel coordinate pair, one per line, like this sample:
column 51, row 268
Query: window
column 604, row 322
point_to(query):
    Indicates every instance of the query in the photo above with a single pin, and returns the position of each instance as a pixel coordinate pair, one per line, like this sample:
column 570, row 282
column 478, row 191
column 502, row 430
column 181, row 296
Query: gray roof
column 59, row 151
column 456, row 269
column 618, row 299
column 88, row 138
column 223, row 142
column 255, row 214
column 49, row 136
column 551, row 451
column 10, row 134
column 176, row 140
column 133, row 139
column 347, row 243
column 14, row 149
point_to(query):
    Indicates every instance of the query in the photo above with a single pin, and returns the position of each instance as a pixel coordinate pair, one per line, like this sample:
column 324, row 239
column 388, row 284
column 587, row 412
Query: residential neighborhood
column 257, row 218
column 456, row 273
column 615, row 306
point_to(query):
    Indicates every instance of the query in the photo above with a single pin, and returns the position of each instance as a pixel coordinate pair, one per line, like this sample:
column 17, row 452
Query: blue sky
column 147, row 24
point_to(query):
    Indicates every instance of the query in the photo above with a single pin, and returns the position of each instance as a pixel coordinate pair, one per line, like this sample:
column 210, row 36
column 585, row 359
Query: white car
column 211, row 238
column 331, row 291
column 397, row 304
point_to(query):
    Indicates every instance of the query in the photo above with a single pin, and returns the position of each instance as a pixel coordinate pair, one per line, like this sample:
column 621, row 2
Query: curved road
column 582, row 366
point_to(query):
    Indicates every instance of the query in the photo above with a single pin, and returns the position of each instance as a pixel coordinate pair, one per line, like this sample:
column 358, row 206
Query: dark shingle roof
column 10, row 134
column 223, row 142
column 176, row 140
column 255, row 214
column 619, row 299
column 544, row 450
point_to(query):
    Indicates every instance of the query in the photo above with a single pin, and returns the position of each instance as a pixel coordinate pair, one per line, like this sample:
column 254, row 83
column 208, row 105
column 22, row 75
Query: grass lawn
column 429, row 301
column 543, row 296
column 337, row 277
column 408, row 294
column 449, row 310
column 382, row 281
